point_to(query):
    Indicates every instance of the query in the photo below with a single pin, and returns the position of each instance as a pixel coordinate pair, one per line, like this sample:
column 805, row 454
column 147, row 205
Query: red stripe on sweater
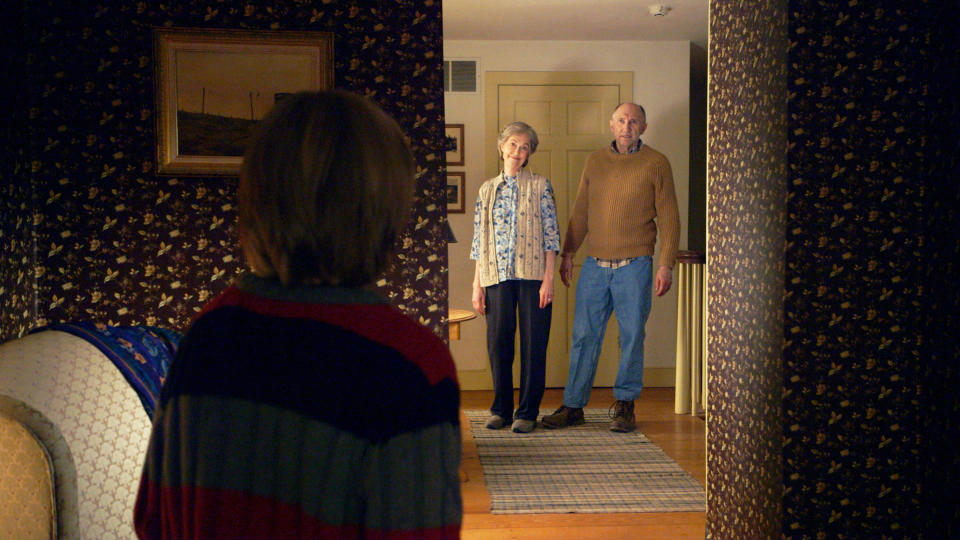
column 195, row 513
column 414, row 341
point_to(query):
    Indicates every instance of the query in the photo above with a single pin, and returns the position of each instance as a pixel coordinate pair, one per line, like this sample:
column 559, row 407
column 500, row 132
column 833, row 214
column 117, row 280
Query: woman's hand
column 479, row 299
column 546, row 292
column 546, row 284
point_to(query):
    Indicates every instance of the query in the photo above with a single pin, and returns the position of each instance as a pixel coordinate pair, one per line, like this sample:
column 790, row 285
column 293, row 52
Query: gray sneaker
column 496, row 422
column 622, row 415
column 563, row 417
column 523, row 426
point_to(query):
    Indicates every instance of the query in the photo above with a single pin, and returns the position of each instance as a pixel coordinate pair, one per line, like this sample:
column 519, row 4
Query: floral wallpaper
column 115, row 242
column 17, row 282
column 16, row 252
column 866, row 405
column 832, row 210
column 832, row 215
column 745, row 226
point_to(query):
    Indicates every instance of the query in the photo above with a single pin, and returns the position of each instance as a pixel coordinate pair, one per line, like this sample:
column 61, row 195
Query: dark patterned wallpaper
column 865, row 257
column 939, row 303
column 745, row 224
column 16, row 250
column 118, row 244
column 17, row 281
column 869, row 310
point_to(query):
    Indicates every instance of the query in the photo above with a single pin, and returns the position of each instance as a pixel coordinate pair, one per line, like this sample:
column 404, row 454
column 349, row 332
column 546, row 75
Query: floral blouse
column 505, row 226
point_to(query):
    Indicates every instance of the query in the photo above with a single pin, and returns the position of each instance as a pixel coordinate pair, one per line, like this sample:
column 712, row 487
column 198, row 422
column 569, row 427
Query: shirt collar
column 511, row 179
column 632, row 150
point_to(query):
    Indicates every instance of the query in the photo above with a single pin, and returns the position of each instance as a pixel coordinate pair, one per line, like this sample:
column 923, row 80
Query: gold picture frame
column 456, row 199
column 454, row 144
column 214, row 85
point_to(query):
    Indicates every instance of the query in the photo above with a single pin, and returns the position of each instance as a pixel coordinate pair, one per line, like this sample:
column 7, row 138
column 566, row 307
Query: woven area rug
column 582, row 469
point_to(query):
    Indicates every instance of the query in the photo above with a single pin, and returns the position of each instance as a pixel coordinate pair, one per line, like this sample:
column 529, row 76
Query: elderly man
column 626, row 196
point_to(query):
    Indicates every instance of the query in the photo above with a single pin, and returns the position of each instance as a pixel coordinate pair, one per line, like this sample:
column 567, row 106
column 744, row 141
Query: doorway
column 570, row 113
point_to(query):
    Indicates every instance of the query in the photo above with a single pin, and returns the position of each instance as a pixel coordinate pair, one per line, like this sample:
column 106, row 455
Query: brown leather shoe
column 623, row 419
column 562, row 417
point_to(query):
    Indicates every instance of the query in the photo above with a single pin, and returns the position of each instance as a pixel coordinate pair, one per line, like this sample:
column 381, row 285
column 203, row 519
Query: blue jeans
column 601, row 291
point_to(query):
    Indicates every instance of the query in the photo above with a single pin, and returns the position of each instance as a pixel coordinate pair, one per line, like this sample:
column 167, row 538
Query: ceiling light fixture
column 659, row 10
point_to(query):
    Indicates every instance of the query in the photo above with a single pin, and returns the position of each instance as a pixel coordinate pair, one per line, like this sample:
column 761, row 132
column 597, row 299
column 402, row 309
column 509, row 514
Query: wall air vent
column 459, row 75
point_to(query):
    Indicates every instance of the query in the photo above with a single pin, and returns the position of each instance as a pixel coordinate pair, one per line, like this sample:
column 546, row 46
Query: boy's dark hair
column 325, row 190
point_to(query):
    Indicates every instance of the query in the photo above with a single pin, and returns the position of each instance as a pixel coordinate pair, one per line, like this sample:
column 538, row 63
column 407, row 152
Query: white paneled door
column 570, row 112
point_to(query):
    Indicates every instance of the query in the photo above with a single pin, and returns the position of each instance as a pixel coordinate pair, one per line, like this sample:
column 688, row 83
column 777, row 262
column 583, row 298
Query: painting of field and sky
column 215, row 85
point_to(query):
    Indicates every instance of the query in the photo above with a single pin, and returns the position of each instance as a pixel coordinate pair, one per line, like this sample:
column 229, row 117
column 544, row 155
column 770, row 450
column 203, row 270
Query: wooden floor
column 682, row 437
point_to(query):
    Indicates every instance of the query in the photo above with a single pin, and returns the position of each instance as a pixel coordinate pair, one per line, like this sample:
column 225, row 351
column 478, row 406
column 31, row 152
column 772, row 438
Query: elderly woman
column 515, row 244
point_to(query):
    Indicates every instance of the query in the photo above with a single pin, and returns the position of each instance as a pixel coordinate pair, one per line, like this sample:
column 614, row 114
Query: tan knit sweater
column 622, row 201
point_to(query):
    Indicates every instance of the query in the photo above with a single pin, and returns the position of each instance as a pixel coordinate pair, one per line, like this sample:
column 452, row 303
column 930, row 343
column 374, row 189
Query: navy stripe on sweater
column 354, row 384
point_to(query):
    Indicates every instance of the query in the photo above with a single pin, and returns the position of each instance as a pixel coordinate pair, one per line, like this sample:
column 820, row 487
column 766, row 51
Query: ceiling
column 575, row 20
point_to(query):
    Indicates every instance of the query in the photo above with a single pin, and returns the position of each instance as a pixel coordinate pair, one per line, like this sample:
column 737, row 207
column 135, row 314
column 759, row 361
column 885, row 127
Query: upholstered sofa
column 74, row 425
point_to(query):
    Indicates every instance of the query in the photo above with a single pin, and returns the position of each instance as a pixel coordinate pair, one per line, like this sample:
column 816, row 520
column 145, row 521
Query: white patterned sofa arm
column 91, row 423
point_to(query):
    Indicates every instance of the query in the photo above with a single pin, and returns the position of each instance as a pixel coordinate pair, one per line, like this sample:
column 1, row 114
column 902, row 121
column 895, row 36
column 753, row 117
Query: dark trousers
column 509, row 303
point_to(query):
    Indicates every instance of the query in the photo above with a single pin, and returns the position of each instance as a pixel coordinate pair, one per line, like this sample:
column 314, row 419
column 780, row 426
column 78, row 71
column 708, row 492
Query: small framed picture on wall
column 455, row 196
column 454, row 144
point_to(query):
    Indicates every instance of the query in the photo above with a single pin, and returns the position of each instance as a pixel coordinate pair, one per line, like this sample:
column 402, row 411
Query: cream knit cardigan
column 531, row 261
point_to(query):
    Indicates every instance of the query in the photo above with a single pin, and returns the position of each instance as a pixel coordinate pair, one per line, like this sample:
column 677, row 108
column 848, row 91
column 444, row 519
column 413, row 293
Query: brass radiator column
column 691, row 371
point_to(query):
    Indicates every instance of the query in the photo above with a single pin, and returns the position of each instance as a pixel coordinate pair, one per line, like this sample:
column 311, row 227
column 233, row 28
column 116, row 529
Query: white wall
column 661, row 82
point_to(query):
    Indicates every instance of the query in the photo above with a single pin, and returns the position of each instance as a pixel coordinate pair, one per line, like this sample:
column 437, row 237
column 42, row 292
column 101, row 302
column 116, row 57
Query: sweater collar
column 306, row 294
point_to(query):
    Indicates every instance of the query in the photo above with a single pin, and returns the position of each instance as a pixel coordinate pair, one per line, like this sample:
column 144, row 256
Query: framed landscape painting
column 213, row 86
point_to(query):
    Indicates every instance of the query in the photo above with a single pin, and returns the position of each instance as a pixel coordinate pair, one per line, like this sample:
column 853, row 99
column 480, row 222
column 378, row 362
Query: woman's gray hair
column 518, row 128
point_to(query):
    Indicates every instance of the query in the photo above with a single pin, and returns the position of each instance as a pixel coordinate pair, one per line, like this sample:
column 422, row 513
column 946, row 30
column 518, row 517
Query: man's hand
column 566, row 268
column 663, row 280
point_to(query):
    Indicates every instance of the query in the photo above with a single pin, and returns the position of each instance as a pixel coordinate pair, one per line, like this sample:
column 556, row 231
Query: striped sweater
column 304, row 412
column 622, row 201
